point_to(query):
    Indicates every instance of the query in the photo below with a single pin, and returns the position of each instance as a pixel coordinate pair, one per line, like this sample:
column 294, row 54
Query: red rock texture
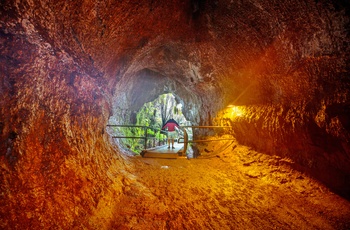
column 67, row 66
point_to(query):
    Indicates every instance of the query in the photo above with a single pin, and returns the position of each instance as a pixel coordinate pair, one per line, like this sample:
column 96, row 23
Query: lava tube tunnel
column 258, row 90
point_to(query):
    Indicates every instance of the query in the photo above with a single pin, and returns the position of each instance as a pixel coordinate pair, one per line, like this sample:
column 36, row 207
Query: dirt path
column 236, row 188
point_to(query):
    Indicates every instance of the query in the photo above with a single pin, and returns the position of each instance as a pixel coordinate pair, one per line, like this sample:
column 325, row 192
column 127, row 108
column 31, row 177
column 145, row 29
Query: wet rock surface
column 67, row 66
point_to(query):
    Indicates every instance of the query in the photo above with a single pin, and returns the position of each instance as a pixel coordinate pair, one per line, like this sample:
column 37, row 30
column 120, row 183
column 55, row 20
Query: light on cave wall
column 234, row 111
column 230, row 114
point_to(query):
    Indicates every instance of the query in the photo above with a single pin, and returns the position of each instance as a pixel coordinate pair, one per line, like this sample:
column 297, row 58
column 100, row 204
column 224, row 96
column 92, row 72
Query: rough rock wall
column 298, row 96
column 315, row 139
column 55, row 166
column 62, row 61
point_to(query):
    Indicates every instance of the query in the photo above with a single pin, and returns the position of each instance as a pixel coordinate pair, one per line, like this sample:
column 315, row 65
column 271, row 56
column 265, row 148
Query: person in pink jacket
column 171, row 126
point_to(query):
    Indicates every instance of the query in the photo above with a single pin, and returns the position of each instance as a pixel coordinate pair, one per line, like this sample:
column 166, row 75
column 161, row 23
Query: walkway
column 238, row 189
column 164, row 152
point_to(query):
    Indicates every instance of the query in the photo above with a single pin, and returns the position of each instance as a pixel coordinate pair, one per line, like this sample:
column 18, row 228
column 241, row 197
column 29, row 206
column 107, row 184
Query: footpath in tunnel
column 239, row 188
column 163, row 151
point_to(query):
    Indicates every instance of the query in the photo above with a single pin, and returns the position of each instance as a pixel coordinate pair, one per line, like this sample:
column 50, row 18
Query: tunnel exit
column 145, row 127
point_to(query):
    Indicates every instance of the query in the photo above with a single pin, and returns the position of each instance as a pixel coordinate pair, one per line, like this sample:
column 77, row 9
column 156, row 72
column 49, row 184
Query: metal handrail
column 185, row 138
column 145, row 137
column 186, row 141
column 205, row 126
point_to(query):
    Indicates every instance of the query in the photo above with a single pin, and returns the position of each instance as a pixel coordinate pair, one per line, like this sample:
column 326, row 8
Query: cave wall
column 54, row 160
column 66, row 66
column 296, row 100
column 313, row 138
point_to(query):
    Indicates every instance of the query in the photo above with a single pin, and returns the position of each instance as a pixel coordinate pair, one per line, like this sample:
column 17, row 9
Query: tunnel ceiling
column 210, row 48
column 197, row 41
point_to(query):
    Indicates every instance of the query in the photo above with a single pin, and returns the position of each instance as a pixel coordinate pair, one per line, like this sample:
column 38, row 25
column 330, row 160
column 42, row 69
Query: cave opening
column 150, row 119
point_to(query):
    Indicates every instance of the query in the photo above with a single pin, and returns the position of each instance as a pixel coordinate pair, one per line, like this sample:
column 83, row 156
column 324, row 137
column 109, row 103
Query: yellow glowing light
column 235, row 111
column 231, row 112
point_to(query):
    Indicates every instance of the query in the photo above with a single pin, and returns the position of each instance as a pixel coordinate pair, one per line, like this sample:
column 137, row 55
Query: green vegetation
column 153, row 115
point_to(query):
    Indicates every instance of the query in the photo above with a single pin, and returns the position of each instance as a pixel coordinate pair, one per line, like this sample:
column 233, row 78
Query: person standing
column 171, row 126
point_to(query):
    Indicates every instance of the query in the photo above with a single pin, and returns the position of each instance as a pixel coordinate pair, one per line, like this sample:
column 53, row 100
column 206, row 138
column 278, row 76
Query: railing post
column 185, row 141
column 145, row 146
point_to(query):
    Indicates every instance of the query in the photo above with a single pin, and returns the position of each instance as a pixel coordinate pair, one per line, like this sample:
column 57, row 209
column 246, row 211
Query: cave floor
column 233, row 187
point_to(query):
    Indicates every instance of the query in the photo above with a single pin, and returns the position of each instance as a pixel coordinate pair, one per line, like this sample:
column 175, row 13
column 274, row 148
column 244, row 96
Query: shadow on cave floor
column 237, row 188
